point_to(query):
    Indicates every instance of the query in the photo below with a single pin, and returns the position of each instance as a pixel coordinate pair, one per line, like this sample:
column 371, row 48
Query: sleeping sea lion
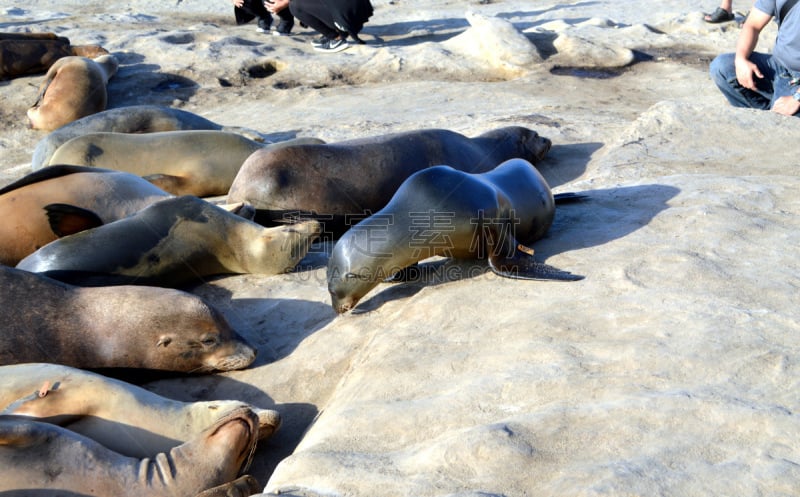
column 130, row 119
column 113, row 327
column 111, row 195
column 340, row 183
column 188, row 162
column 174, row 242
column 44, row 459
column 74, row 87
column 24, row 54
column 122, row 417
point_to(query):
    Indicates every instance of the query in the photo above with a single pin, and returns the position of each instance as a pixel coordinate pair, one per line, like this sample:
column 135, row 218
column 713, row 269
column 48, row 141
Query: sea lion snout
column 238, row 355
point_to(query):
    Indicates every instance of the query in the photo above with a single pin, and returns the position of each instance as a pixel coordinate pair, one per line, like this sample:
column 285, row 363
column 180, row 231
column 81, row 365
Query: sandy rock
column 497, row 43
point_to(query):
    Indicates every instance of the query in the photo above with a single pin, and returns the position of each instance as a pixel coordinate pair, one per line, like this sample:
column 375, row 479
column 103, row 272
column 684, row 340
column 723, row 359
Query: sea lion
column 341, row 183
column 189, row 162
column 22, row 54
column 443, row 211
column 122, row 417
column 44, row 459
column 113, row 327
column 74, row 87
column 111, row 195
column 173, row 242
column 131, row 119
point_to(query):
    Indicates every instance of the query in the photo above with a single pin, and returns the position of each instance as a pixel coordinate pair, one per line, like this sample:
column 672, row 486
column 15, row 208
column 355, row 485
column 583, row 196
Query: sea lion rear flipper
column 169, row 183
column 66, row 219
column 521, row 265
column 569, row 197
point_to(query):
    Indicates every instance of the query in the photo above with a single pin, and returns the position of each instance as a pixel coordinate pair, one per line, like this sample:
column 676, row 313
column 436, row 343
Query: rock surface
column 672, row 369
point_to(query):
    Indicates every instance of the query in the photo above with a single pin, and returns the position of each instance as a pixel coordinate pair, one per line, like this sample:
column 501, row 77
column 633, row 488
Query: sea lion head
column 162, row 329
column 535, row 145
column 201, row 341
column 359, row 261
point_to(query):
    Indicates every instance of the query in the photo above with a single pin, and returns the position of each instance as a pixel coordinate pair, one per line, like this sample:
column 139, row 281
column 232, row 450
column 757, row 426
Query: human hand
column 237, row 3
column 745, row 70
column 275, row 6
column 787, row 106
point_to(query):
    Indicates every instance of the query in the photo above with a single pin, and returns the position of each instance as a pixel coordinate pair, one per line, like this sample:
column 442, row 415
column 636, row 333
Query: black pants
column 252, row 9
column 316, row 15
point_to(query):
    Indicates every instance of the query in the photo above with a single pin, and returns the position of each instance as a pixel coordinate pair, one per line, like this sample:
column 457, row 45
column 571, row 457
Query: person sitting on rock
column 760, row 80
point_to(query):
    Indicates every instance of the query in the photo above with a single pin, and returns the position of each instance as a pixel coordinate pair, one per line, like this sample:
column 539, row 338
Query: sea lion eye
column 209, row 341
column 354, row 276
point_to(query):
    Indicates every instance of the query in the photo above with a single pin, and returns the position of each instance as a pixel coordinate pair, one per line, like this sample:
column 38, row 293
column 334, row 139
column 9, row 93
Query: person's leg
column 316, row 15
column 723, row 73
column 783, row 81
column 286, row 22
column 255, row 8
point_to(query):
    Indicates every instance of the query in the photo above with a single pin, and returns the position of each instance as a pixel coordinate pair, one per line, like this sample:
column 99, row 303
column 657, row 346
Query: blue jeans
column 774, row 84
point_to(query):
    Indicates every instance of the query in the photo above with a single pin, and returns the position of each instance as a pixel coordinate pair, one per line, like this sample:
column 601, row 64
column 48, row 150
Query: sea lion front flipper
column 243, row 486
column 408, row 273
column 42, row 90
column 66, row 219
column 169, row 183
column 522, row 266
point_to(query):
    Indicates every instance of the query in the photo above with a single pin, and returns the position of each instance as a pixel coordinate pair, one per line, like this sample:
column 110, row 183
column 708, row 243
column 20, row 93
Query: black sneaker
column 319, row 42
column 284, row 28
column 263, row 26
column 332, row 46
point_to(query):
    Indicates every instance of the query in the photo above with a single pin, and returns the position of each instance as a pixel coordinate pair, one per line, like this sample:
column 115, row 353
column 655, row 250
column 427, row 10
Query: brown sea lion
column 130, row 119
column 174, row 242
column 22, row 54
column 188, row 162
column 74, row 87
column 111, row 195
column 340, row 183
column 443, row 211
column 122, row 417
column 44, row 459
column 113, row 327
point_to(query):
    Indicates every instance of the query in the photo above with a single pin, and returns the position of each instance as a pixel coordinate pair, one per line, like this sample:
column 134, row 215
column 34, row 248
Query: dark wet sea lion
column 23, row 54
column 443, row 211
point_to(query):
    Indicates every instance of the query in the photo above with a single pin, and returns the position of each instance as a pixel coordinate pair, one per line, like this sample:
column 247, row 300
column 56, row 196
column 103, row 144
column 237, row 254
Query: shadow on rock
column 603, row 216
column 565, row 163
